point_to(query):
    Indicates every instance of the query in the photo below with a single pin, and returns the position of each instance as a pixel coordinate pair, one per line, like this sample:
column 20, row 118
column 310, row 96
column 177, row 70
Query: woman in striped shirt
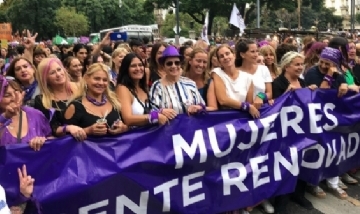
column 173, row 92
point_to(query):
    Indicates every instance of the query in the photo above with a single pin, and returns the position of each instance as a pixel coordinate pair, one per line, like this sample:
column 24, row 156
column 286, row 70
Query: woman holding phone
column 96, row 108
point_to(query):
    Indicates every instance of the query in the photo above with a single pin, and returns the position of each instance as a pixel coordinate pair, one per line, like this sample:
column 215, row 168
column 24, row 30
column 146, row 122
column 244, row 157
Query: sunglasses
column 170, row 63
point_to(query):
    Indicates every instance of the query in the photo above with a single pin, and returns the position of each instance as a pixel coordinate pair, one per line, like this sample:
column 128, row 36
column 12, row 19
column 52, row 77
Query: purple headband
column 4, row 83
column 263, row 43
column 333, row 55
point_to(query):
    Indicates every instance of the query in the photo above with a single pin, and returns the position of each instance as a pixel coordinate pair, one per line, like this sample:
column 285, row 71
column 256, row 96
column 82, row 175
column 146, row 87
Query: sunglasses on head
column 170, row 63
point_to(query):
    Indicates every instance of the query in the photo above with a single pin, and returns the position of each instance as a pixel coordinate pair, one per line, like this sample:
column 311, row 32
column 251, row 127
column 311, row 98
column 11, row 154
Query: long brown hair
column 187, row 66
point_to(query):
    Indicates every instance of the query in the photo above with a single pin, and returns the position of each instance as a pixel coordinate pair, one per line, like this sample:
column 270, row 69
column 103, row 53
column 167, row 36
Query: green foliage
column 35, row 15
column 3, row 16
column 71, row 22
column 308, row 18
column 185, row 19
column 357, row 17
column 104, row 14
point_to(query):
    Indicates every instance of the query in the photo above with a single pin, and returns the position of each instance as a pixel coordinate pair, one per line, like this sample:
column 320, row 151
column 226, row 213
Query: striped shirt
column 177, row 96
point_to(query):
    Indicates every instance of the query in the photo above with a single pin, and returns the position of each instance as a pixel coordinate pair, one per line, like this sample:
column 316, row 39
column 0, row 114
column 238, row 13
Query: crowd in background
column 108, row 88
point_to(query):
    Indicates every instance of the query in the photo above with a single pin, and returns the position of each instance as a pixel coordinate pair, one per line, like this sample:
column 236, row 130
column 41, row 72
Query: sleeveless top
column 235, row 89
column 137, row 107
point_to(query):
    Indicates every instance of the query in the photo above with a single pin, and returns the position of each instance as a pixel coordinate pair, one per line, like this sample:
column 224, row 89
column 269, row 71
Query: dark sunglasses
column 170, row 63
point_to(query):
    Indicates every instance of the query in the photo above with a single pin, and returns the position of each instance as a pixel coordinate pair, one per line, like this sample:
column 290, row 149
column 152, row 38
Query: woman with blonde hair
column 270, row 60
column 94, row 107
column 292, row 65
column 56, row 89
column 195, row 69
column 201, row 44
column 116, row 59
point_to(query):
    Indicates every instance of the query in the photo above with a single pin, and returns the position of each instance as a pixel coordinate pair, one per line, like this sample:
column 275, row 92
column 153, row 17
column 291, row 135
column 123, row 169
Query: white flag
column 236, row 19
column 204, row 31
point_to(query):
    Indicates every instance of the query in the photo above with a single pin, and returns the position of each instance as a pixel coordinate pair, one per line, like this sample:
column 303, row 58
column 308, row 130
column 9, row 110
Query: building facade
column 343, row 8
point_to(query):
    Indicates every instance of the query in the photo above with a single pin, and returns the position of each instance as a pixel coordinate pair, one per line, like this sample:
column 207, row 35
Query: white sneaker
column 268, row 208
column 244, row 212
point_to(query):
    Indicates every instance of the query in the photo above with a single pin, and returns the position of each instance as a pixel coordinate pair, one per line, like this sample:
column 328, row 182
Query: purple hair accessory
column 333, row 55
column 7, row 65
column 263, row 43
column 4, row 83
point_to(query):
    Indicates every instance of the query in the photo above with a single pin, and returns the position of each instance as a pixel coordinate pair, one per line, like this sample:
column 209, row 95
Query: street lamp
column 177, row 36
column 121, row 14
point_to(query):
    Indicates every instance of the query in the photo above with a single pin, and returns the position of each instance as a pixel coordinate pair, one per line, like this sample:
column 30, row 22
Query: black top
column 281, row 84
column 154, row 76
column 84, row 119
column 57, row 119
column 315, row 77
column 356, row 73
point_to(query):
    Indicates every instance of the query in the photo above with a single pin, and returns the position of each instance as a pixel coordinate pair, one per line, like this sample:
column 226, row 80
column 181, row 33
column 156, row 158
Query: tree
column 72, row 23
column 167, row 29
column 104, row 14
column 3, row 16
column 35, row 15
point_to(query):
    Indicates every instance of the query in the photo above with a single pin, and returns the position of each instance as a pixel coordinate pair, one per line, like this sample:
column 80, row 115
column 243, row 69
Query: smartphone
column 117, row 36
column 103, row 120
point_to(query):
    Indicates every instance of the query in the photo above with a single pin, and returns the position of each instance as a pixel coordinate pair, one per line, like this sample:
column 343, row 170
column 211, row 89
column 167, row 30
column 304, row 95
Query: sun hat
column 170, row 51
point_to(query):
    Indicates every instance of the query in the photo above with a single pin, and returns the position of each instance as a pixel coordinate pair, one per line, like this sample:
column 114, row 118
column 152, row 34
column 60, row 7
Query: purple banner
column 198, row 164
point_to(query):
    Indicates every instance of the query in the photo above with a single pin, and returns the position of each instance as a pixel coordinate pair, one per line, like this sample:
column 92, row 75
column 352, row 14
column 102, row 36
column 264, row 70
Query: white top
column 176, row 96
column 136, row 107
column 4, row 209
column 235, row 89
column 260, row 77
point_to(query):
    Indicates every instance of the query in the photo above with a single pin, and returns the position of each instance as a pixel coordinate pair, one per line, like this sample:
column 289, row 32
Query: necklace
column 95, row 102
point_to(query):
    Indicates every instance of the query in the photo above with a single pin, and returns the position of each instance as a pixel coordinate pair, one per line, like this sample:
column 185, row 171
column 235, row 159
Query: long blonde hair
column 267, row 49
column 110, row 95
column 42, row 76
column 116, row 53
column 187, row 66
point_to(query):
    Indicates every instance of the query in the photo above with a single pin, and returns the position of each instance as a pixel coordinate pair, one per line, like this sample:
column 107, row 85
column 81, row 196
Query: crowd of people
column 106, row 89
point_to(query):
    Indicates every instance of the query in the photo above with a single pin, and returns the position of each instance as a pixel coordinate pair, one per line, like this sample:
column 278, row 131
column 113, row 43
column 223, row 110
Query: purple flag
column 84, row 40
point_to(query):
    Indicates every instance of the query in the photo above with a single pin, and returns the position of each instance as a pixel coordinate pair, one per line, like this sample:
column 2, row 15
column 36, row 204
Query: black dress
column 84, row 119
column 57, row 117
column 279, row 87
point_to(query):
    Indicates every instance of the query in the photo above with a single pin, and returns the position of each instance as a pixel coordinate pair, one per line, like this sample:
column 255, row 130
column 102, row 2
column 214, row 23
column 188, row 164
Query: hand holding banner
column 200, row 164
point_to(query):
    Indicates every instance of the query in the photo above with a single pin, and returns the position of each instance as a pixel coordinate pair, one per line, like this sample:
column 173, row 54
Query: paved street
column 329, row 205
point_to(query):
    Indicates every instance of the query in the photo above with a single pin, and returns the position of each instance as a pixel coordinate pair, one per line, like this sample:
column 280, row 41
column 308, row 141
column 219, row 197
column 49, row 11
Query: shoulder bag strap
column 20, row 127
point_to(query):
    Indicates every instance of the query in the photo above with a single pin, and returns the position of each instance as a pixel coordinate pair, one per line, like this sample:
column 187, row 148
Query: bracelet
column 329, row 79
column 203, row 107
column 154, row 117
column 64, row 129
column 262, row 96
column 245, row 106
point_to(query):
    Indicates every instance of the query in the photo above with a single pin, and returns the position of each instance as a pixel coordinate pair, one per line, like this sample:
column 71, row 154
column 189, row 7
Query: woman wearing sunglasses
column 96, row 108
column 173, row 93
